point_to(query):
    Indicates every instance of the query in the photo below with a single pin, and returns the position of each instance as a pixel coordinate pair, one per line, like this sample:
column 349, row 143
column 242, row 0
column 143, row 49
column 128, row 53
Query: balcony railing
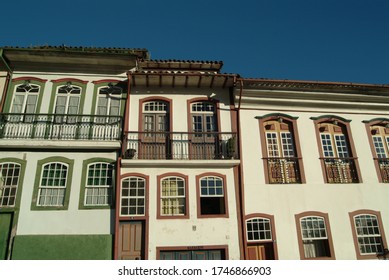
column 383, row 164
column 60, row 127
column 341, row 170
column 283, row 170
column 181, row 145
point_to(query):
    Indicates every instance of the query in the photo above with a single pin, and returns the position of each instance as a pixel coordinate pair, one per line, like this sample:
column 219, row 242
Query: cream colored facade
column 304, row 101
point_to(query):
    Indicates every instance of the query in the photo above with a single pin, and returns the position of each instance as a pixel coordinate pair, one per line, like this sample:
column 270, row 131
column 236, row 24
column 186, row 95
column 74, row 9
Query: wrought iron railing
column 383, row 164
column 341, row 170
column 181, row 145
column 283, row 170
column 61, row 127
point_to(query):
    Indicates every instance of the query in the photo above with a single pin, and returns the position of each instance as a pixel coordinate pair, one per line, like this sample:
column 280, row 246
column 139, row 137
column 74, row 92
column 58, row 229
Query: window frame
column 167, row 113
column 22, row 166
column 216, row 113
column 346, row 131
column 377, row 214
column 272, row 243
column 84, row 178
column 20, row 81
column 225, row 196
column 57, row 84
column 145, row 197
column 324, row 216
column 38, row 178
column 292, row 129
column 162, row 177
column 369, row 125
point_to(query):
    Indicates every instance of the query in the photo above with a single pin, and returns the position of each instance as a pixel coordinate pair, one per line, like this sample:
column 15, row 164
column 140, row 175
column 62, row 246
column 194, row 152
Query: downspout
column 241, row 175
column 240, row 93
column 117, row 208
column 8, row 78
column 126, row 114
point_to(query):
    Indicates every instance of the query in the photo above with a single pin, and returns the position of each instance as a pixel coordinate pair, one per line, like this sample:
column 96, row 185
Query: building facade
column 107, row 154
column 61, row 128
column 314, row 167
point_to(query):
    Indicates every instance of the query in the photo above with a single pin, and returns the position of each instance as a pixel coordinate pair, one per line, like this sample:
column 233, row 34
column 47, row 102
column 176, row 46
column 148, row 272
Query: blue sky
column 320, row 40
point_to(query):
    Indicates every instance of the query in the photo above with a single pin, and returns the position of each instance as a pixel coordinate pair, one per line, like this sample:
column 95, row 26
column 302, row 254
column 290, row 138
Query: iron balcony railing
column 283, row 170
column 181, row 145
column 383, row 164
column 341, row 170
column 61, row 127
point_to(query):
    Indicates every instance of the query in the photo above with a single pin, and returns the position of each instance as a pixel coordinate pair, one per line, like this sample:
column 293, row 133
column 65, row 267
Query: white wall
column 284, row 201
column 180, row 232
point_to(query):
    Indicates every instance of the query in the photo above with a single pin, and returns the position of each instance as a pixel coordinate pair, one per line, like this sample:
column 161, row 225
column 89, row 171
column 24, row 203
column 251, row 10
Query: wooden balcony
column 181, row 145
column 60, row 127
column 283, row 170
column 340, row 170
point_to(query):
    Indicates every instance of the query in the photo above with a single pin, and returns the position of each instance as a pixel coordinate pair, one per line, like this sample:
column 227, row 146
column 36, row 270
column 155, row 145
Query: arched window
column 259, row 229
column 203, row 127
column 52, row 187
column 314, row 236
column 133, row 197
column 280, row 148
column 155, row 134
column 99, row 185
column 155, row 117
column 338, row 156
column 24, row 102
column 67, row 103
column 212, row 196
column 172, row 196
column 378, row 131
column 25, row 98
column 369, row 238
column 260, row 236
column 203, row 116
column 108, row 103
column 9, row 180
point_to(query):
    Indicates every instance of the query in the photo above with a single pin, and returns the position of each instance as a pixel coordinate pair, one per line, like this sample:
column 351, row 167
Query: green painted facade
column 5, row 231
column 62, row 247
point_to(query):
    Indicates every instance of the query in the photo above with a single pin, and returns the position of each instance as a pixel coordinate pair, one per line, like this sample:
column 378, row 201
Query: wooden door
column 131, row 241
column 155, row 137
column 5, row 232
column 256, row 252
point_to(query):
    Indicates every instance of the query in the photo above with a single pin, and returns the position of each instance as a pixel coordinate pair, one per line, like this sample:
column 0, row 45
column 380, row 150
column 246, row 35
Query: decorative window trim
column 198, row 192
column 38, row 176
column 19, row 81
column 294, row 132
column 324, row 216
column 273, row 232
column 61, row 82
column 215, row 102
column 22, row 164
column 146, row 197
column 349, row 138
column 104, row 83
column 83, row 184
column 368, row 125
column 155, row 98
column 160, row 178
column 352, row 215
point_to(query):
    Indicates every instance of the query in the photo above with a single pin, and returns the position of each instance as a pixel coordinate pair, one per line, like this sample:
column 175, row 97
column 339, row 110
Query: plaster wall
column 179, row 111
column 193, row 231
column 284, row 201
column 70, row 221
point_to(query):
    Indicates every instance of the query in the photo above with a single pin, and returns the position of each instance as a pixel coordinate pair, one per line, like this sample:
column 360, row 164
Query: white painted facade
column 284, row 201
